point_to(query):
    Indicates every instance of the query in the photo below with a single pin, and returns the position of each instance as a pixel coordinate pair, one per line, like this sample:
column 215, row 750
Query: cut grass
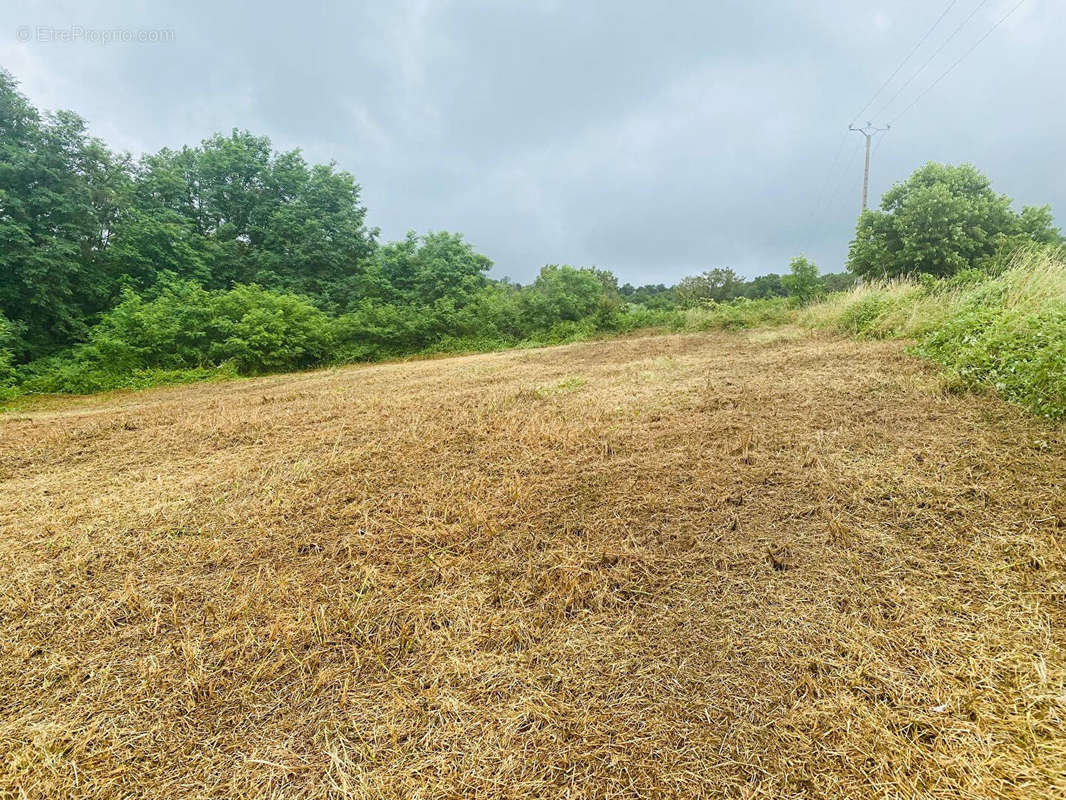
column 791, row 567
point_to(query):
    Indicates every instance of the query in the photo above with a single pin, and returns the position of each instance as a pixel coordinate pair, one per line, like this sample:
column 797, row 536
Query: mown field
column 753, row 565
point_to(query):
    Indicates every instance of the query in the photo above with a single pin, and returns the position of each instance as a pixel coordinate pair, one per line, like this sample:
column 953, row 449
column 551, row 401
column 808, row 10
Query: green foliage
column 230, row 258
column 836, row 282
column 1005, row 331
column 561, row 294
column 861, row 318
column 657, row 296
column 941, row 220
column 79, row 224
column 59, row 194
column 714, row 286
column 1020, row 354
column 765, row 286
column 7, row 357
column 232, row 211
column 186, row 333
column 71, row 374
column 739, row 314
column 802, row 282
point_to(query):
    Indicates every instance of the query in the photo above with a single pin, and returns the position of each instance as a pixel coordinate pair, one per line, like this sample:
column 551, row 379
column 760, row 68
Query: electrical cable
column 960, row 59
column 906, row 58
column 929, row 60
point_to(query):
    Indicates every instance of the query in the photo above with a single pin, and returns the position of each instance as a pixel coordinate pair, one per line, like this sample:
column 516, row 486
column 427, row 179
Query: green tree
column 716, row 285
column 837, row 281
column 562, row 293
column 7, row 357
column 60, row 193
column 802, row 283
column 231, row 211
column 941, row 220
column 764, row 286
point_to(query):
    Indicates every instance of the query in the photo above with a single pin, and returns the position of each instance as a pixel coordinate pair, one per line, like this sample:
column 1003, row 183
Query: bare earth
column 761, row 565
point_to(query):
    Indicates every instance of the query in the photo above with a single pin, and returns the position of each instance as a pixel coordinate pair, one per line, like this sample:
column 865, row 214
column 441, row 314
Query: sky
column 654, row 139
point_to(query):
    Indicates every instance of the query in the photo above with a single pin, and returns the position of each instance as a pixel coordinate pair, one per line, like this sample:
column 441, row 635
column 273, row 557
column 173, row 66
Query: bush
column 186, row 333
column 187, row 327
column 802, row 283
column 7, row 358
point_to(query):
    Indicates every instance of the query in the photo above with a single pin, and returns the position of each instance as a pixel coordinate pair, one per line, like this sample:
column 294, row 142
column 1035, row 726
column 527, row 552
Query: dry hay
column 662, row 567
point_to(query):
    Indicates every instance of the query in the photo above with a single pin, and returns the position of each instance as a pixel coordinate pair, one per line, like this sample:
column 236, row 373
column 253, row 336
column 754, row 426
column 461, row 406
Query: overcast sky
column 654, row 139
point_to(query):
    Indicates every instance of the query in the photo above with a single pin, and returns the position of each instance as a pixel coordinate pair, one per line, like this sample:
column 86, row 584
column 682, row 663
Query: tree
column 764, row 286
column 562, row 293
column 837, row 282
column 236, row 212
column 941, row 220
column 715, row 285
column 60, row 192
column 802, row 283
column 7, row 338
column 419, row 270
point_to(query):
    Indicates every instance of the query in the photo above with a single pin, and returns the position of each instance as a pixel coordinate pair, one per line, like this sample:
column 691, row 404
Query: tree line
column 230, row 254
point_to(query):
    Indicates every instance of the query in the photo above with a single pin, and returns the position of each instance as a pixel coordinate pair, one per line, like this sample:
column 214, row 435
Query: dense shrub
column 801, row 283
column 7, row 357
column 185, row 326
column 188, row 333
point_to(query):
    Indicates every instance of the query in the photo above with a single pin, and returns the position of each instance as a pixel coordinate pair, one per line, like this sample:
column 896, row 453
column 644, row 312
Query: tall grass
column 1005, row 331
column 736, row 315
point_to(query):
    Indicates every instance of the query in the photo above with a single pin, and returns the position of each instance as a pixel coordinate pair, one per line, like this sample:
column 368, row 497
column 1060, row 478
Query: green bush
column 186, row 333
column 7, row 358
column 740, row 314
column 186, row 327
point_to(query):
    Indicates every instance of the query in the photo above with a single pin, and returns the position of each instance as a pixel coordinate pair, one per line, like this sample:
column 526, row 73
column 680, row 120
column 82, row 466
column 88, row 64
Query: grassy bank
column 1004, row 332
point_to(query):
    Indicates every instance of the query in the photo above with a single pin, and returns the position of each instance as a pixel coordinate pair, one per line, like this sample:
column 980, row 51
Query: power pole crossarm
column 868, row 130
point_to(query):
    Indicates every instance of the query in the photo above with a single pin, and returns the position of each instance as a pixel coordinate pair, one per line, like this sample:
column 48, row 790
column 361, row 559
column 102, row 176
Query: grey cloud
column 655, row 140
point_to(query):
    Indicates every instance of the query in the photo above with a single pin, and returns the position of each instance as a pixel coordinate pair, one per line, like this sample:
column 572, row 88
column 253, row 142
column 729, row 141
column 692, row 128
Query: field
column 759, row 565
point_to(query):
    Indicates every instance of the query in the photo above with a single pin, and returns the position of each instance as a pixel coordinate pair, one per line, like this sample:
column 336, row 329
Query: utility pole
column 868, row 130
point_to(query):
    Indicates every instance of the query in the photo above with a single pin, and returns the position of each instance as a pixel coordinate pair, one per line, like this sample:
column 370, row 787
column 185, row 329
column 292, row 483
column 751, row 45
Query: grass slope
column 691, row 565
column 1006, row 332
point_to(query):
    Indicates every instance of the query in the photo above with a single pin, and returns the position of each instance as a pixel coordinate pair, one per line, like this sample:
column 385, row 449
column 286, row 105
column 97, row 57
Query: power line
column 877, row 144
column 828, row 177
column 907, row 58
column 929, row 60
column 932, row 86
column 852, row 157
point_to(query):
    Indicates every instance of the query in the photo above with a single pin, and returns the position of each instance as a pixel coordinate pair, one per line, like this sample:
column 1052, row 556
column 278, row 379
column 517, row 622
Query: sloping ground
column 716, row 566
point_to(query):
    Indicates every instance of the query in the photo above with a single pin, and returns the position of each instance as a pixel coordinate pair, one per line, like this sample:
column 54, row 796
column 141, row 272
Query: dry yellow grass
column 676, row 566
